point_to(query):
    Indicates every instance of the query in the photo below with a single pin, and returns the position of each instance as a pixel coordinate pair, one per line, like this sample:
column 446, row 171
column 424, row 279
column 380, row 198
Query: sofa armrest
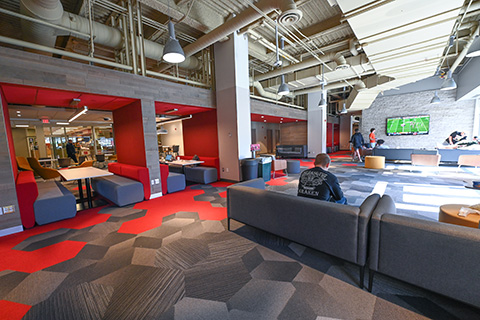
column 384, row 205
column 257, row 183
column 366, row 211
column 27, row 193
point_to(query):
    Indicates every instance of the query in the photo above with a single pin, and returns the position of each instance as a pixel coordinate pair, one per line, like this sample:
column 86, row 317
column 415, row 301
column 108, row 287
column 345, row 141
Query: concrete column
column 41, row 141
column 233, row 105
column 151, row 145
column 316, row 125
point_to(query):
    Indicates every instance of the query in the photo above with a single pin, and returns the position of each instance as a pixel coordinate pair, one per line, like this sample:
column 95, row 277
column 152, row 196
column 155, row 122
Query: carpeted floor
column 172, row 258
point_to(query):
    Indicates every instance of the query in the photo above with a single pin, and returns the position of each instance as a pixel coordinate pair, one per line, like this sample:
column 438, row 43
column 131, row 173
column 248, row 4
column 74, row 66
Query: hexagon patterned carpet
column 172, row 258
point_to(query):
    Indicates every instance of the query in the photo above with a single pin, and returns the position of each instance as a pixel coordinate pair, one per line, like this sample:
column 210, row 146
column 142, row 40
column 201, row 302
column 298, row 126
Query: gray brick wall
column 446, row 117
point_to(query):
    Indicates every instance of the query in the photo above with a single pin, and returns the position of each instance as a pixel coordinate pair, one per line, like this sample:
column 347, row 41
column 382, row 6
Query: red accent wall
column 129, row 138
column 200, row 135
column 8, row 130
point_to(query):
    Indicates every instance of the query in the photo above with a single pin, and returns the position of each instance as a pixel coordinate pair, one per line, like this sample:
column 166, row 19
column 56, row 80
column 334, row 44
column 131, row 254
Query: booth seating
column 44, row 202
column 336, row 229
column 129, row 184
column 213, row 162
column 203, row 175
column 171, row 181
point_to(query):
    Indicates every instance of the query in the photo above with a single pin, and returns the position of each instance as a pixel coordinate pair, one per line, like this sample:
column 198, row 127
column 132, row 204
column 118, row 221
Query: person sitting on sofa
column 318, row 183
column 381, row 144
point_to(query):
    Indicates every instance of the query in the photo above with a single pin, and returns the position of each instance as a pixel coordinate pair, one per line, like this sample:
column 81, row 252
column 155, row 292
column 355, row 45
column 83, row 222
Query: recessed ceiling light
column 296, row 120
column 281, row 118
column 281, row 121
column 63, row 123
column 21, row 125
column 18, row 111
column 264, row 120
column 19, row 115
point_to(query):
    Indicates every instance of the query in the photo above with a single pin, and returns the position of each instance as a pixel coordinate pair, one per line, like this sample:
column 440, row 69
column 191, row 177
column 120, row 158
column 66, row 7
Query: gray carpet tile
column 92, row 252
column 144, row 257
column 10, row 280
column 213, row 226
column 385, row 309
column 178, row 222
column 53, row 238
column 199, row 309
column 185, row 214
column 265, row 298
column 216, row 281
column 86, row 301
column 46, row 280
column 309, row 275
column 71, row 265
column 42, row 236
column 113, row 239
column 193, row 230
column 181, row 254
column 252, row 259
column 147, row 242
column 276, row 270
column 146, row 295
column 125, row 218
column 297, row 308
column 86, row 237
column 120, row 211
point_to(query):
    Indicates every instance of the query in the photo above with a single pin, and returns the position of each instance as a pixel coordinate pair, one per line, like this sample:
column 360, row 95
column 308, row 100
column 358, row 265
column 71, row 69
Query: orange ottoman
column 374, row 162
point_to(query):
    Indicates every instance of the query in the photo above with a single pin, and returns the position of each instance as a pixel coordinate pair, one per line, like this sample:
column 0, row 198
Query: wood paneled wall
column 293, row 133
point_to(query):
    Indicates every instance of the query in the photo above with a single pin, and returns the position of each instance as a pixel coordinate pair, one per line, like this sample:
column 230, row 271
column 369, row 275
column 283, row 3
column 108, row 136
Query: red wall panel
column 200, row 135
column 129, row 138
column 8, row 130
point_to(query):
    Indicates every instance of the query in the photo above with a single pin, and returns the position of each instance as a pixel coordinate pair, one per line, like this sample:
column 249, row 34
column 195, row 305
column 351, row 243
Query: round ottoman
column 374, row 162
column 293, row 166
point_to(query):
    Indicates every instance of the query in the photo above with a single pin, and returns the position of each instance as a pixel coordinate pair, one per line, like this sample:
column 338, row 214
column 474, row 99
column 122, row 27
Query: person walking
column 357, row 143
column 71, row 151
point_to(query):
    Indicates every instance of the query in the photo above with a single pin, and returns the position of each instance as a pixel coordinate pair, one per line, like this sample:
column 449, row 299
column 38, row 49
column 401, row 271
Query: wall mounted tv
column 410, row 125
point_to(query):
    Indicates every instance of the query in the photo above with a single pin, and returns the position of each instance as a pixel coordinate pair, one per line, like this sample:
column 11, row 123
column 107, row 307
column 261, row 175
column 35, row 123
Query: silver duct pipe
column 290, row 15
column 52, row 11
column 463, row 53
column 257, row 85
column 359, row 85
column 337, row 57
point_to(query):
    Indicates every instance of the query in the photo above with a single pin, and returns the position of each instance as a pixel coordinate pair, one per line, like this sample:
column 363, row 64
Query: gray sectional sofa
column 335, row 229
column 403, row 154
column 54, row 203
column 120, row 190
column 437, row 256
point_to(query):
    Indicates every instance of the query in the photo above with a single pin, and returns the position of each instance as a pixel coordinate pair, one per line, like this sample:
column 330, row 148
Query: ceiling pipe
column 463, row 53
column 290, row 15
column 257, row 85
column 337, row 57
column 357, row 83
column 49, row 10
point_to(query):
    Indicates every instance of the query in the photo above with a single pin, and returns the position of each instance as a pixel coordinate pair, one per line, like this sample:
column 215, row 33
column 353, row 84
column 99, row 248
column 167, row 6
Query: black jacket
column 357, row 140
column 319, row 184
column 70, row 149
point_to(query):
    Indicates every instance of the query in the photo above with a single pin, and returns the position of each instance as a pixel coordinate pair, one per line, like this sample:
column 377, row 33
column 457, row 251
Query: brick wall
column 446, row 117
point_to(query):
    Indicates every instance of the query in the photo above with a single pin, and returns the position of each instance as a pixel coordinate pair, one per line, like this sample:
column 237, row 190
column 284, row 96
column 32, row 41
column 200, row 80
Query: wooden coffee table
column 449, row 214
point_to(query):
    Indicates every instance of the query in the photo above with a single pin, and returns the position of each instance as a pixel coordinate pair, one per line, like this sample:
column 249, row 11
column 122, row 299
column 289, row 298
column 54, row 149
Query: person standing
column 454, row 138
column 318, row 183
column 71, row 151
column 357, row 143
column 372, row 138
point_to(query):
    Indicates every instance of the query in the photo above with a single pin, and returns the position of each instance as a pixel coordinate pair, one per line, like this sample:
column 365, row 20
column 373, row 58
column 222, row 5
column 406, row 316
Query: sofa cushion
column 175, row 182
column 207, row 162
column 54, row 202
column 201, row 174
column 120, row 190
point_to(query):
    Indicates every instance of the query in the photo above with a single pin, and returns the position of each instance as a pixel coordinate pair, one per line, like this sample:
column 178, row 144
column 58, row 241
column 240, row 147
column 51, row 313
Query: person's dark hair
column 356, row 130
column 380, row 142
column 322, row 159
column 373, row 129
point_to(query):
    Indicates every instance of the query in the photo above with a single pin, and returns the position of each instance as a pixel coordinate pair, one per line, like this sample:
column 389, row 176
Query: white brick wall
column 446, row 117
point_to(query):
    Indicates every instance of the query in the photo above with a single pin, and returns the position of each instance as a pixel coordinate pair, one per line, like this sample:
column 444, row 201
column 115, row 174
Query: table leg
column 80, row 192
column 89, row 193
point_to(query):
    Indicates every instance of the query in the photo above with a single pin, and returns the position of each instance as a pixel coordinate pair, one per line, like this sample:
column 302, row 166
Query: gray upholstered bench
column 175, row 182
column 293, row 166
column 54, row 203
column 120, row 190
column 201, row 174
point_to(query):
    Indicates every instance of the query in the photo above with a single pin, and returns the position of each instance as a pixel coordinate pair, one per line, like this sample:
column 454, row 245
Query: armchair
column 23, row 164
column 278, row 165
column 45, row 173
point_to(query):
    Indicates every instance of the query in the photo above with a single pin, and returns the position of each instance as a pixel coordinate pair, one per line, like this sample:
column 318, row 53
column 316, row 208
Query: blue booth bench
column 45, row 202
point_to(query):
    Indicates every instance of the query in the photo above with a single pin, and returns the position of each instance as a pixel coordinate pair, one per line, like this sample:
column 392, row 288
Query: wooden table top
column 449, row 214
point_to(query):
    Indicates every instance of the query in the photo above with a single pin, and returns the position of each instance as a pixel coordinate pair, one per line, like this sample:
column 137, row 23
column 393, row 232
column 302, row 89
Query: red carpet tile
column 170, row 204
column 12, row 310
column 350, row 164
column 278, row 174
column 32, row 261
column 223, row 194
column 277, row 182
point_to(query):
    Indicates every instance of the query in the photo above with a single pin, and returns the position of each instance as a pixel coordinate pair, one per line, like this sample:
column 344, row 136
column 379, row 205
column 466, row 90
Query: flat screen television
column 409, row 125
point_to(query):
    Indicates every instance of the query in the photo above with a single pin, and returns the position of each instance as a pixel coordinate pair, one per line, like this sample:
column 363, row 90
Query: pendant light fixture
column 435, row 99
column 323, row 101
column 449, row 83
column 172, row 52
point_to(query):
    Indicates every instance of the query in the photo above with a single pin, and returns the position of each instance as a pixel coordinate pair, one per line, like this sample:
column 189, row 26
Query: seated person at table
column 454, row 138
column 381, row 144
column 318, row 183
